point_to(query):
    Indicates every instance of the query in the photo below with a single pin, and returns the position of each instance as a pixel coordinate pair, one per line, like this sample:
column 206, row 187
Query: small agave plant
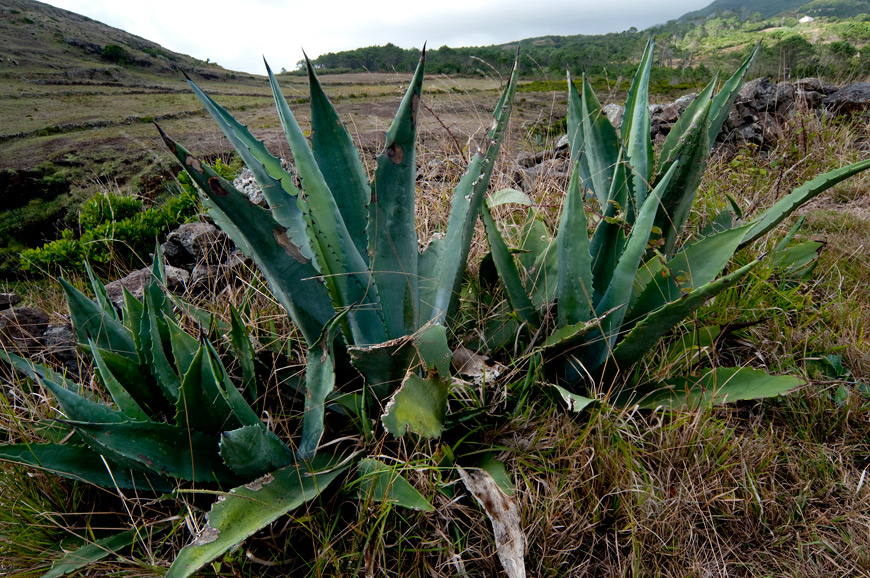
column 341, row 255
column 620, row 290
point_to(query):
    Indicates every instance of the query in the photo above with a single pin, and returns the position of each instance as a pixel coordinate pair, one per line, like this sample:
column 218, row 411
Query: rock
column 22, row 329
column 849, row 99
column 815, row 85
column 530, row 178
column 562, row 143
column 135, row 282
column 194, row 242
column 60, row 345
column 8, row 300
column 247, row 184
column 614, row 113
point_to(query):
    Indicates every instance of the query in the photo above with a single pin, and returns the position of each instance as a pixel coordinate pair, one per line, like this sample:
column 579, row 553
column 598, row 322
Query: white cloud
column 238, row 35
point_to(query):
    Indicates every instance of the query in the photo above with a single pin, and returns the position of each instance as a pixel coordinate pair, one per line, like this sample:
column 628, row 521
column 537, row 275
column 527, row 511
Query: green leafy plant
column 620, row 290
column 116, row 231
column 342, row 257
column 343, row 252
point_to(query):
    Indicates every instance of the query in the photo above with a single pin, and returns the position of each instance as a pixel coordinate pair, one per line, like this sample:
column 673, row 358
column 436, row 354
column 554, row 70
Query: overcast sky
column 237, row 34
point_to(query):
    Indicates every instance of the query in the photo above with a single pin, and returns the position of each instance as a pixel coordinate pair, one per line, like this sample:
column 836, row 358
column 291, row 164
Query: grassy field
column 753, row 489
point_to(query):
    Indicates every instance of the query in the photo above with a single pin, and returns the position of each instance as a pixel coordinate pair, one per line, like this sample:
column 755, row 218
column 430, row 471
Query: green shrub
column 116, row 233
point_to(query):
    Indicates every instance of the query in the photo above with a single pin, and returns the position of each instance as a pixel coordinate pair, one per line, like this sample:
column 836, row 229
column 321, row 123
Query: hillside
column 745, row 8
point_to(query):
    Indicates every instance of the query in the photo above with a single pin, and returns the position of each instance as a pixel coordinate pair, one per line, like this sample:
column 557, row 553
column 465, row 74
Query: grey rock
column 22, row 329
column 530, row 178
column 60, row 345
column 849, row 99
column 194, row 242
column 562, row 143
column 614, row 113
column 135, row 282
column 247, row 184
column 815, row 85
column 8, row 300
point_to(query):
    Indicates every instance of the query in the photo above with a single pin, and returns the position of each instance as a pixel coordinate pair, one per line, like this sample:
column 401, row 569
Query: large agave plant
column 343, row 253
column 620, row 290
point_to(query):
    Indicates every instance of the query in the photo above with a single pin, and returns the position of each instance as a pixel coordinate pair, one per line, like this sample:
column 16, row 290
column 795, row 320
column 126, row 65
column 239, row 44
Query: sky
column 237, row 35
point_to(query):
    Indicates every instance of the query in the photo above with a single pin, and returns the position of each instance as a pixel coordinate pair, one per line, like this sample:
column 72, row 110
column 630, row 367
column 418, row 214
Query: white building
column 806, row 19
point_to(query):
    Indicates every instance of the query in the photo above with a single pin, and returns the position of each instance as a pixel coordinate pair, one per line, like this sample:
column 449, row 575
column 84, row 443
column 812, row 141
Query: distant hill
column 768, row 8
column 47, row 43
column 745, row 8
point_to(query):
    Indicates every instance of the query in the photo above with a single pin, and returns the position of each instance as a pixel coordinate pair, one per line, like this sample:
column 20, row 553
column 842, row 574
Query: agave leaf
column 151, row 330
column 576, row 403
column 418, row 406
column 71, row 404
column 244, row 354
column 619, row 291
column 391, row 229
column 574, row 290
column 155, row 289
column 798, row 261
column 787, row 205
column 693, row 267
column 241, row 410
column 184, row 347
column 573, row 335
column 431, row 344
column 136, row 381
column 383, row 483
column 83, row 464
column 721, row 385
column 35, row 371
column 200, row 404
column 508, row 196
column 676, row 140
column 165, row 449
column 276, row 184
column 635, row 132
column 132, row 317
column 440, row 288
column 319, row 382
column 339, row 162
column 122, row 398
column 384, row 365
column 608, row 240
column 540, row 261
column 346, row 274
column 90, row 553
column 657, row 324
column 677, row 198
column 253, row 451
column 291, row 276
column 598, row 149
column 507, row 270
column 100, row 293
column 91, row 320
column 246, row 509
column 725, row 98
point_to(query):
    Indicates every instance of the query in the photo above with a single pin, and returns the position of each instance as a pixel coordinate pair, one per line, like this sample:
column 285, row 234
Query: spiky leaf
column 253, row 451
column 419, row 406
column 246, row 509
column 383, row 483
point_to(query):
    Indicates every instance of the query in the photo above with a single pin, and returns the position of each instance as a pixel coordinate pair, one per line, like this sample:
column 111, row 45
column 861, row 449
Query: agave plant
column 341, row 255
column 178, row 417
column 620, row 290
column 343, row 251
